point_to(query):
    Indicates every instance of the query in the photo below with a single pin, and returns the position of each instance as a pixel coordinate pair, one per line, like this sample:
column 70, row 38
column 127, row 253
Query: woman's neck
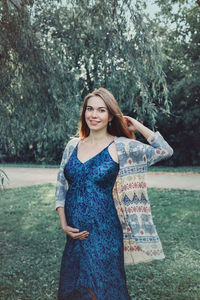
column 96, row 137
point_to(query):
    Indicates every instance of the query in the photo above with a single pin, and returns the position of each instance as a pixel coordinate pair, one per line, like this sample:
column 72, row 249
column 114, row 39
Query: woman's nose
column 94, row 113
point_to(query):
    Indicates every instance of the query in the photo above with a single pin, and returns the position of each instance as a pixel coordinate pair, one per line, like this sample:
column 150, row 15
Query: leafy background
column 52, row 53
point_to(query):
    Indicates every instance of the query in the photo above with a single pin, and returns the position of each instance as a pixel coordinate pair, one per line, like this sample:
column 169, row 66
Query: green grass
column 195, row 169
column 176, row 216
column 31, row 245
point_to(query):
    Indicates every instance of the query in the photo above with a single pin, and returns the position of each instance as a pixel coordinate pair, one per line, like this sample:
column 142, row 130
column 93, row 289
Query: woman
column 102, row 201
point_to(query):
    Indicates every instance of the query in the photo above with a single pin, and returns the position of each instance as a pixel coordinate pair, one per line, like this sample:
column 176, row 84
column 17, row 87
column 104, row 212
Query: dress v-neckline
column 92, row 156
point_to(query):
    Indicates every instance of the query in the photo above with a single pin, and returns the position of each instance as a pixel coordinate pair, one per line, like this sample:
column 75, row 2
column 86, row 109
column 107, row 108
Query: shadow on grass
column 32, row 243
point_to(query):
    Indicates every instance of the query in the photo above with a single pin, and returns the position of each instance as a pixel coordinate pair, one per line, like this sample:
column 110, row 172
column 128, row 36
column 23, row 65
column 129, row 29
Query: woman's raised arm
column 158, row 149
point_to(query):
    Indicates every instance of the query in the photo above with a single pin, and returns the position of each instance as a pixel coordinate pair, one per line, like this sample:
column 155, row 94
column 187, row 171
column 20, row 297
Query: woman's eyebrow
column 97, row 107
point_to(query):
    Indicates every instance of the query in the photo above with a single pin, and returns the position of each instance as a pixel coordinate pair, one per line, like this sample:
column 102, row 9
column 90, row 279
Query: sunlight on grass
column 32, row 243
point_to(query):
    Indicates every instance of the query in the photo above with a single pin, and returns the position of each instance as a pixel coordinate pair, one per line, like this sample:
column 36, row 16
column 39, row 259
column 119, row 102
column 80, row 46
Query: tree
column 55, row 54
column 182, row 67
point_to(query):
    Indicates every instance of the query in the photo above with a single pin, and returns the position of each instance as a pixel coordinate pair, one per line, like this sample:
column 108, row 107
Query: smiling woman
column 96, row 113
column 105, row 105
column 97, row 118
column 102, row 201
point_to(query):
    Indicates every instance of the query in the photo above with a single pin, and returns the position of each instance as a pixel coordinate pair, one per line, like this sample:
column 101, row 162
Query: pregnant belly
column 79, row 217
column 86, row 212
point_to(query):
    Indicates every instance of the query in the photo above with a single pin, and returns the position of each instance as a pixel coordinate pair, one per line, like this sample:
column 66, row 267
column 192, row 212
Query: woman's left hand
column 133, row 124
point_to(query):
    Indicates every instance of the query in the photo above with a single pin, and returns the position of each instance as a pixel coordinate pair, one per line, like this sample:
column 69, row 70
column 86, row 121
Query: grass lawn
column 31, row 245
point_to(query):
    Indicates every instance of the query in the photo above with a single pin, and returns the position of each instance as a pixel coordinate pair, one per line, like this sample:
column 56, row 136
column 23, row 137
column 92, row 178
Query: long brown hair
column 118, row 124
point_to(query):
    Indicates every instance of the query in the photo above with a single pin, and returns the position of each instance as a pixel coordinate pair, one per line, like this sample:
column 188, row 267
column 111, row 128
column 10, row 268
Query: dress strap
column 110, row 143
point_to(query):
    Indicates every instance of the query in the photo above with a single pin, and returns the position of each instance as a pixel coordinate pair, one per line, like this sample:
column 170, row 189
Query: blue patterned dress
column 97, row 262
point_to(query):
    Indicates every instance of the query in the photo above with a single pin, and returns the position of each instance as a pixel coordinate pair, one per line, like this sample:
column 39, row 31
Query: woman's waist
column 89, row 191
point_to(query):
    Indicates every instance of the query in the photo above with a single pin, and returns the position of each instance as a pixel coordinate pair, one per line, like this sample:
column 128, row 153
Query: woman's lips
column 94, row 122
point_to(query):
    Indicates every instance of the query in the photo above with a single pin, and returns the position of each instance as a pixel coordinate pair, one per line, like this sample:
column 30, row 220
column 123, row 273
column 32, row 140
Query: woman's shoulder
column 121, row 139
column 72, row 142
column 129, row 144
column 125, row 140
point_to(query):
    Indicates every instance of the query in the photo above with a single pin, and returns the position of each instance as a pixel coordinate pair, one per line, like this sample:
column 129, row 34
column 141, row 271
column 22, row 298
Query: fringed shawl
column 140, row 238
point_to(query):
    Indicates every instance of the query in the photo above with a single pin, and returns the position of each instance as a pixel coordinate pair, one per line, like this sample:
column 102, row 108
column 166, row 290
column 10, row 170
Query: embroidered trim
column 142, row 168
column 141, row 239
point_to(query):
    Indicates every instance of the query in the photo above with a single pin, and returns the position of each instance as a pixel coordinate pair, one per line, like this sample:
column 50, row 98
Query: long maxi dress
column 96, row 263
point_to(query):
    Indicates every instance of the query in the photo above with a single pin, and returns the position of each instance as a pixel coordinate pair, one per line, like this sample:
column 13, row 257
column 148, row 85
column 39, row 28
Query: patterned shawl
column 140, row 238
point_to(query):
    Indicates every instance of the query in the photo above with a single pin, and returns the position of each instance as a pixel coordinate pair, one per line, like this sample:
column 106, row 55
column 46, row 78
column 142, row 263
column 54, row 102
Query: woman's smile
column 93, row 122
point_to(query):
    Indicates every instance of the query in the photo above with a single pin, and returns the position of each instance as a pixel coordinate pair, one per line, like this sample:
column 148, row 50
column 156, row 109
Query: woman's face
column 96, row 114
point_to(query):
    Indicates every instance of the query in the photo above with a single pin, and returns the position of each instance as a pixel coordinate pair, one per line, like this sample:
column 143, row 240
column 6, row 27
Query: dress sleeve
column 62, row 184
column 158, row 149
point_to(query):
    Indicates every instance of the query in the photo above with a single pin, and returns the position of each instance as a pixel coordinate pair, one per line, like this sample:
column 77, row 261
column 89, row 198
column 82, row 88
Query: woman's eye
column 102, row 110
column 89, row 108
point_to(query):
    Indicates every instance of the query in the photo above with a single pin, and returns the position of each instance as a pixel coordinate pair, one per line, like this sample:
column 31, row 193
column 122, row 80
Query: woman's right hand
column 133, row 124
column 74, row 233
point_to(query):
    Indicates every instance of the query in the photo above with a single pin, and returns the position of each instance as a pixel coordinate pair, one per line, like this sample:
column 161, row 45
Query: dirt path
column 20, row 177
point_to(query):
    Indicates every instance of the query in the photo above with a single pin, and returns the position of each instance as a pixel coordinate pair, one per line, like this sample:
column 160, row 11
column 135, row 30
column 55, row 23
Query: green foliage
column 180, row 39
column 32, row 243
column 53, row 54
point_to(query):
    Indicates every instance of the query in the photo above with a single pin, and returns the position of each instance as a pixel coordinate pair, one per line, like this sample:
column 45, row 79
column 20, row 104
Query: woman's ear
column 110, row 118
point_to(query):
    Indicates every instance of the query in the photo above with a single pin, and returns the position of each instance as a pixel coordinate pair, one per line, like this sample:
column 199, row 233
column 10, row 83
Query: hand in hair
column 133, row 124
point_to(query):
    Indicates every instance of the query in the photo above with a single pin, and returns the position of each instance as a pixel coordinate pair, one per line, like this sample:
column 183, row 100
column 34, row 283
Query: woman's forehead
column 96, row 101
